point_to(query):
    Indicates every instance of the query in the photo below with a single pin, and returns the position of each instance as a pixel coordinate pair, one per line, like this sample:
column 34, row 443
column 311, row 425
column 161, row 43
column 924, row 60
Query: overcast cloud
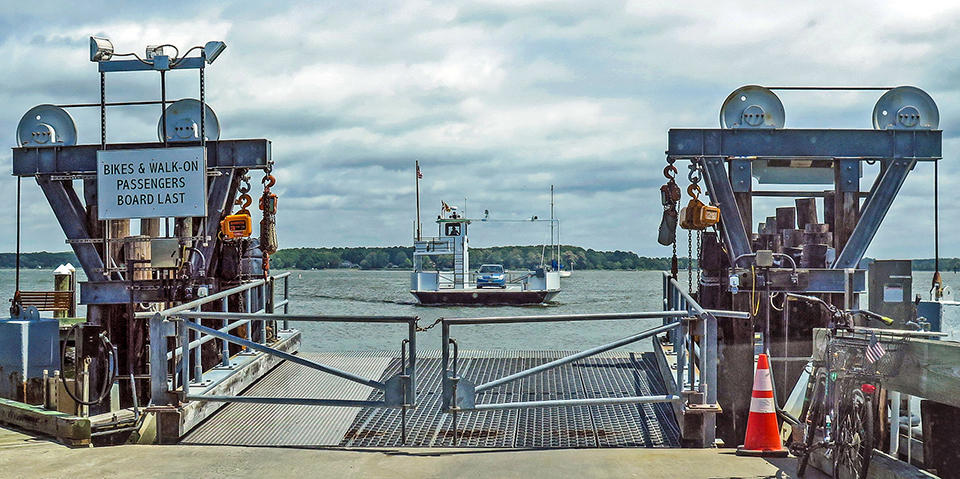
column 497, row 99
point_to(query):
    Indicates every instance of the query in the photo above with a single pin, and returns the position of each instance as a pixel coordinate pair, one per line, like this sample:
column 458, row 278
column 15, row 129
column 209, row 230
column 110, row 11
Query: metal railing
column 694, row 334
column 257, row 297
column 185, row 323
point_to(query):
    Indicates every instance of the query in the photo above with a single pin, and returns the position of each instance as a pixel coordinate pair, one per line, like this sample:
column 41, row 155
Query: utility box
column 891, row 290
column 27, row 347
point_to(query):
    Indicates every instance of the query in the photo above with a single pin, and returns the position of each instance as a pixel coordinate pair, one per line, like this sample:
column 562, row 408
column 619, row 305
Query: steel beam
column 793, row 143
column 72, row 218
column 82, row 159
column 875, row 209
column 721, row 192
column 221, row 191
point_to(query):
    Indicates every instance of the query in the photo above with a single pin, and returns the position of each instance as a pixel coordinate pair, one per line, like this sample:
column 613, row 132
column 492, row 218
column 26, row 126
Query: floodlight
column 154, row 50
column 100, row 49
column 212, row 50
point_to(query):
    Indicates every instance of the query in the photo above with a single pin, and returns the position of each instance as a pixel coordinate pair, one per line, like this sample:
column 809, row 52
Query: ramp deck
column 612, row 374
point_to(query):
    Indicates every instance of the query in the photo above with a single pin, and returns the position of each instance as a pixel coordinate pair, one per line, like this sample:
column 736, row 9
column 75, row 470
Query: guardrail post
column 412, row 332
column 158, row 362
column 224, row 344
column 184, row 359
column 247, row 308
column 708, row 348
column 445, row 366
column 286, row 300
column 197, row 359
column 262, row 302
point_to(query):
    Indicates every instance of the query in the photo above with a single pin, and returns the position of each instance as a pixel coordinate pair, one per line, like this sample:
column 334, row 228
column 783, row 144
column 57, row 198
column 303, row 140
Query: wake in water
column 359, row 299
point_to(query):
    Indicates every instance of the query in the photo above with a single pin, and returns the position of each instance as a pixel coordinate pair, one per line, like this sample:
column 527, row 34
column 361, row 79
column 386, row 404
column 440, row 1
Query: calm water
column 352, row 292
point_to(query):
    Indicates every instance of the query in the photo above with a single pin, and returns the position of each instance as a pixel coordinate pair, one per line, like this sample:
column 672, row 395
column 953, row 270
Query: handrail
column 575, row 357
column 565, row 317
column 208, row 299
column 296, row 317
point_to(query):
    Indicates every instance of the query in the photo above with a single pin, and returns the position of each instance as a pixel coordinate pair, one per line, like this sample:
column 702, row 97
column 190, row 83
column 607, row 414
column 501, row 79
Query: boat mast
column 552, row 221
column 418, row 200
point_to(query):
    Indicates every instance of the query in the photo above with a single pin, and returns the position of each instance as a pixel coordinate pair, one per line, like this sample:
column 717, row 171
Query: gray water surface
column 373, row 293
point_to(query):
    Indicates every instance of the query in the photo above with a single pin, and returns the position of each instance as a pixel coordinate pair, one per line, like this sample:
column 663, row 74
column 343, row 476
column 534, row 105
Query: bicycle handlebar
column 833, row 309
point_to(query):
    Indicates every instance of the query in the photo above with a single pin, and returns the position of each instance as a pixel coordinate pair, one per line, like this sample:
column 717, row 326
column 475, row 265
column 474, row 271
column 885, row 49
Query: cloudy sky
column 498, row 100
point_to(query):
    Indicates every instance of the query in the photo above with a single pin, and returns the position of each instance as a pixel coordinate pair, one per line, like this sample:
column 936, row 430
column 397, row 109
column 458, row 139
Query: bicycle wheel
column 814, row 419
column 854, row 441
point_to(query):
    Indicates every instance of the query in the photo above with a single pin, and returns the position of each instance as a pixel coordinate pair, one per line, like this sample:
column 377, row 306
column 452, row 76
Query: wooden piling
column 806, row 211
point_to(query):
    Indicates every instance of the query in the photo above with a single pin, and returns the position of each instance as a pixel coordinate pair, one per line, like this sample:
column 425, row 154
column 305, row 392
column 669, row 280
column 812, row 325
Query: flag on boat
column 446, row 207
column 875, row 350
column 419, row 175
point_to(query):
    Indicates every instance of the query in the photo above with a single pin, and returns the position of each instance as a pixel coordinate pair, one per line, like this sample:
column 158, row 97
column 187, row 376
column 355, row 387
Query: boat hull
column 483, row 297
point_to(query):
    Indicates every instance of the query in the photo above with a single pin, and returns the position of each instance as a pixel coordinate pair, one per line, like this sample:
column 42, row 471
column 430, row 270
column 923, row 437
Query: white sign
column 152, row 183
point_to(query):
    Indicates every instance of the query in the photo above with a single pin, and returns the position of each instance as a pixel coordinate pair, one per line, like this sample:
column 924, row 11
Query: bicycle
column 843, row 390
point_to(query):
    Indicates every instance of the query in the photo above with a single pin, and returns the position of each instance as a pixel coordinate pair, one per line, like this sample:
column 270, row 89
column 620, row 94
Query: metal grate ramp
column 611, row 374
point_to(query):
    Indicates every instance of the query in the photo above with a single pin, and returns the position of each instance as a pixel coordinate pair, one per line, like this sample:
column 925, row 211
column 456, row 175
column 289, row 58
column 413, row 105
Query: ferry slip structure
column 188, row 339
column 459, row 286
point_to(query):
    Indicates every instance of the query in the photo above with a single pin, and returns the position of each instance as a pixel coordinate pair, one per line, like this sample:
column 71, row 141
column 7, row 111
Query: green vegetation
column 42, row 259
column 511, row 257
column 946, row 264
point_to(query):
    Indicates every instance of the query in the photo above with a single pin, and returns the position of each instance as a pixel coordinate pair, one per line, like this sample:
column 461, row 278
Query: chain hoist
column 669, row 196
column 240, row 224
column 268, row 225
column 696, row 216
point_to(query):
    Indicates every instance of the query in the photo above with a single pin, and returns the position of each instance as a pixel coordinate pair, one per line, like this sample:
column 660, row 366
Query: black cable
column 110, row 372
column 831, row 88
column 936, row 215
column 18, row 233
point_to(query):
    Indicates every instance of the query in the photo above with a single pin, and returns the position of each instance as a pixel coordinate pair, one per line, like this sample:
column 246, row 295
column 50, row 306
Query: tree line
column 511, row 257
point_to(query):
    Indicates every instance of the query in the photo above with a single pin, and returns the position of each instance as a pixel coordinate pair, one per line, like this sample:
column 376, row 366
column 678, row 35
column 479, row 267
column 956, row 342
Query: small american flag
column 875, row 350
column 419, row 175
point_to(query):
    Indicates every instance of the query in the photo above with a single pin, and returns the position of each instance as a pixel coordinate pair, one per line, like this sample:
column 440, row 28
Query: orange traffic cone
column 763, row 435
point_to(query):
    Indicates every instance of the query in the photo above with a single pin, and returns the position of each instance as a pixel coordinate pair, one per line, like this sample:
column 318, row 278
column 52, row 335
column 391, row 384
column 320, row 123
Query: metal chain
column 438, row 321
column 689, row 261
column 203, row 109
column 103, row 111
column 699, row 257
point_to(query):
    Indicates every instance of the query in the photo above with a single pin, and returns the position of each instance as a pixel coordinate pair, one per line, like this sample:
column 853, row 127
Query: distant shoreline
column 399, row 258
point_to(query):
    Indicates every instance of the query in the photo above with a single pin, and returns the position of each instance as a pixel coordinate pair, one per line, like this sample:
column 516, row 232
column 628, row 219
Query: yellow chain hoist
column 697, row 215
column 240, row 224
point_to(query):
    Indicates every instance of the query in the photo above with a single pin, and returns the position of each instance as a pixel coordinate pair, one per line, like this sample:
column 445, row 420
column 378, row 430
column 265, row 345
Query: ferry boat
column 459, row 286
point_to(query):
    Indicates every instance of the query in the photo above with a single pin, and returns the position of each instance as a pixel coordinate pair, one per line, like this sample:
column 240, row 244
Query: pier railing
column 179, row 372
column 693, row 333
column 257, row 297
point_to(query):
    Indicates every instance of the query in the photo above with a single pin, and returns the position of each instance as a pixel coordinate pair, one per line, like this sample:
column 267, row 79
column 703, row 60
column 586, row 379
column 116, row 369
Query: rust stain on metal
column 469, row 433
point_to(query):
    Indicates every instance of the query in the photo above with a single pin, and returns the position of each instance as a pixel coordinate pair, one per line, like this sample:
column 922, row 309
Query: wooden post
column 139, row 250
column 150, row 227
column 829, row 206
column 119, row 229
column 786, row 218
column 941, row 437
column 806, row 212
